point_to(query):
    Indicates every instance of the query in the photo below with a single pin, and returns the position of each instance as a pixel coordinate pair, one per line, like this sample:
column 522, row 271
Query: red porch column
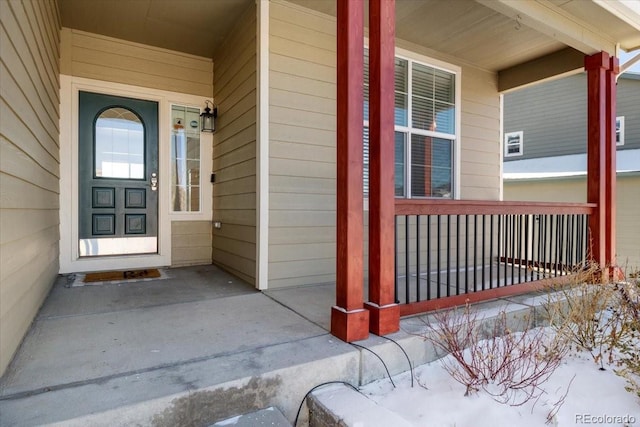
column 597, row 116
column 385, row 314
column 610, row 165
column 349, row 320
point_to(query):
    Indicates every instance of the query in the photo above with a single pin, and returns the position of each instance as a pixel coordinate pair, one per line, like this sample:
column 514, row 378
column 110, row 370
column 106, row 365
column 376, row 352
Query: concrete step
column 345, row 407
column 194, row 393
column 265, row 417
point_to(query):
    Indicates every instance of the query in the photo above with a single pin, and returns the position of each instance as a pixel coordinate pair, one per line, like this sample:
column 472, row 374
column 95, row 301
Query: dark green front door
column 118, row 175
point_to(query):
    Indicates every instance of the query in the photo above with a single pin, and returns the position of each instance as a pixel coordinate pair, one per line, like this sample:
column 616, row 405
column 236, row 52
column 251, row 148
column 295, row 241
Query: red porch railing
column 449, row 252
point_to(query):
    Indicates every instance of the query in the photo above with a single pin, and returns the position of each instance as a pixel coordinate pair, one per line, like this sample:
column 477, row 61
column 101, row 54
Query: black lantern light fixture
column 208, row 117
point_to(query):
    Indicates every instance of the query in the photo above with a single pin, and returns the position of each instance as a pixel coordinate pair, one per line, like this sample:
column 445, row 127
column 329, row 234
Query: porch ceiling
column 492, row 34
column 197, row 27
column 500, row 34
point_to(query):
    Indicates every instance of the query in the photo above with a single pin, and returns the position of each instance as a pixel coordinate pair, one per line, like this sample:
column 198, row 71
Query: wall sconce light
column 208, row 117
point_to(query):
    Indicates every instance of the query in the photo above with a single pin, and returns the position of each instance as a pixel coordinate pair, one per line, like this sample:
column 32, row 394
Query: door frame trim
column 70, row 260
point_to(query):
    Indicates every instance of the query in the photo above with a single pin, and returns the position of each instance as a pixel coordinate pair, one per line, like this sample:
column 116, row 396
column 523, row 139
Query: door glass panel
column 185, row 159
column 119, row 145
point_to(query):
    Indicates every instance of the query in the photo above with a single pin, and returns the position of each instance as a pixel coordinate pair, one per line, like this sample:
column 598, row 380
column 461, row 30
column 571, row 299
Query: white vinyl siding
column 234, row 150
column 29, row 164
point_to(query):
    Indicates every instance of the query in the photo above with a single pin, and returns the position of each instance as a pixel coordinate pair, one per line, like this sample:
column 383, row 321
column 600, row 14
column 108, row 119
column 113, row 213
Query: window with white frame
column 425, row 129
column 185, row 159
column 620, row 130
column 513, row 144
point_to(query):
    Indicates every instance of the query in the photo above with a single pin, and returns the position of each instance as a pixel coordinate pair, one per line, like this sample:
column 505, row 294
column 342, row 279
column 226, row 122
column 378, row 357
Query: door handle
column 154, row 181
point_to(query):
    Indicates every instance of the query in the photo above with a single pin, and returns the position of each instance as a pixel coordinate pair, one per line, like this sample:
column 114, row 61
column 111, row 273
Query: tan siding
column 104, row 58
column 480, row 137
column 29, row 164
column 234, row 263
column 302, row 145
column 572, row 190
column 190, row 243
column 43, row 83
column 628, row 217
column 575, row 190
column 234, row 151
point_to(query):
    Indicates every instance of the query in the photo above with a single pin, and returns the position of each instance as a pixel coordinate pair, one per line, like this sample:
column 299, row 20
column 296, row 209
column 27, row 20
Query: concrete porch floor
column 191, row 349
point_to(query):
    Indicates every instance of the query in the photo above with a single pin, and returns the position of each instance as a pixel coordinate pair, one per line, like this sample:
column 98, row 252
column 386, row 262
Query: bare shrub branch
column 509, row 366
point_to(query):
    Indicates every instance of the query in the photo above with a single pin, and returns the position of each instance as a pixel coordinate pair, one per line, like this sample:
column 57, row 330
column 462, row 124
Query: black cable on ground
column 295, row 423
column 379, row 358
column 405, row 354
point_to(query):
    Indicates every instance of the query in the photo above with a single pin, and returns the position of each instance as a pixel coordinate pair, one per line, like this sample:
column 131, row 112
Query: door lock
column 154, row 181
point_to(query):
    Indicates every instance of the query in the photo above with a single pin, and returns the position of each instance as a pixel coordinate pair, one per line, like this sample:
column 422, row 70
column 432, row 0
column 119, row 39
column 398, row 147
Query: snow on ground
column 595, row 397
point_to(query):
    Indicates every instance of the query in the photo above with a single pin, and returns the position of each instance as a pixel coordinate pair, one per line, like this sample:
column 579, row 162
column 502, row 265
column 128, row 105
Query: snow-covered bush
column 600, row 318
column 629, row 345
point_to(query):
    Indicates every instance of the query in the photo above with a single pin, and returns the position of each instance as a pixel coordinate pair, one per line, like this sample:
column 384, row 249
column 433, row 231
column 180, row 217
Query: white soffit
column 556, row 22
column 626, row 10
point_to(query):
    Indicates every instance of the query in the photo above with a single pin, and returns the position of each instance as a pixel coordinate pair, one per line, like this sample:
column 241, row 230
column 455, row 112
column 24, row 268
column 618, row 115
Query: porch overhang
column 556, row 22
column 585, row 28
column 523, row 41
column 557, row 64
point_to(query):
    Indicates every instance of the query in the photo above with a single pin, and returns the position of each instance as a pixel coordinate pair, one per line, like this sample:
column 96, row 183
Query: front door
column 118, row 175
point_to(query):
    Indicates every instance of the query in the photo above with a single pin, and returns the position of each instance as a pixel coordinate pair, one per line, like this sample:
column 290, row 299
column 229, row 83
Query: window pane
column 365, row 152
column 185, row 159
column 366, row 102
column 420, row 166
column 119, row 145
column 422, row 114
column 401, row 92
column 445, row 118
column 401, row 75
column 444, row 85
column 366, row 66
column 401, row 113
column 431, row 172
column 441, row 170
column 399, row 157
column 422, row 81
column 433, row 100
column 366, row 84
column 399, row 163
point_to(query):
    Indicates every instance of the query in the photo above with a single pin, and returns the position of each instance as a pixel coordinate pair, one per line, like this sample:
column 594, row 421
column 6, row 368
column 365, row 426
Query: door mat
column 110, row 276
column 114, row 277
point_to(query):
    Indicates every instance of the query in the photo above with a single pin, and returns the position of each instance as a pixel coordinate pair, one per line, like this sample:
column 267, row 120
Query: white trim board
column 564, row 166
column 262, row 144
column 70, row 261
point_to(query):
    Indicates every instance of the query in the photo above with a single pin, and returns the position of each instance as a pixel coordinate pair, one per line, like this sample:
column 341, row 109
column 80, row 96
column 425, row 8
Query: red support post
column 610, row 155
column 349, row 319
column 384, row 312
column 596, row 66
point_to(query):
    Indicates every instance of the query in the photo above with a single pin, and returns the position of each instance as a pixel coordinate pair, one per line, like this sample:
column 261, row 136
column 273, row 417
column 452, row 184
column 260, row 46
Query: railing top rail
column 488, row 207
